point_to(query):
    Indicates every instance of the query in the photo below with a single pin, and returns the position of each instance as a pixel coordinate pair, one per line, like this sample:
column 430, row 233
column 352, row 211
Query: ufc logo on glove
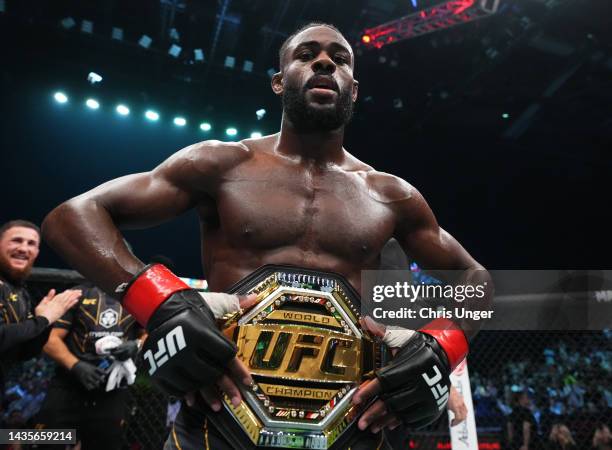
column 439, row 390
column 167, row 347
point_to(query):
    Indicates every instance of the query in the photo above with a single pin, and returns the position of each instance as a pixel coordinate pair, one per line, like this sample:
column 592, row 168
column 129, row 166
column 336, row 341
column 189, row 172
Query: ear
column 277, row 83
column 355, row 90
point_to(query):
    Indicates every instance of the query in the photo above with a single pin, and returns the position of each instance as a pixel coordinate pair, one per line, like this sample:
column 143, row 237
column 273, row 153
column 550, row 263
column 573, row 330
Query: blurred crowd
column 564, row 392
column 25, row 392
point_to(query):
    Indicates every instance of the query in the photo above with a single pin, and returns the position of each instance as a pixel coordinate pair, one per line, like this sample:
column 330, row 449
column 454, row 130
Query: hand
column 457, row 406
column 377, row 416
column 236, row 368
column 414, row 386
column 90, row 376
column 52, row 306
column 185, row 350
column 125, row 351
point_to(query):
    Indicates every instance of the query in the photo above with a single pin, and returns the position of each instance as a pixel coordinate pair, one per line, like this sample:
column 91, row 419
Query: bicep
column 142, row 199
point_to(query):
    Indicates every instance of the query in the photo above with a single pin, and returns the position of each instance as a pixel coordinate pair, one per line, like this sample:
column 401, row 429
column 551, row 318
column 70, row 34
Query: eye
column 305, row 55
column 340, row 59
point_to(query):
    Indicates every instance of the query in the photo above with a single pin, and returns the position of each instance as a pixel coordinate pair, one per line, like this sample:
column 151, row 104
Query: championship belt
column 307, row 354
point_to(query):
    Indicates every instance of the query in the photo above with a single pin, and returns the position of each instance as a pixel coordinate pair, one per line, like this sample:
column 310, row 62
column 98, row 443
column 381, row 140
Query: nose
column 323, row 64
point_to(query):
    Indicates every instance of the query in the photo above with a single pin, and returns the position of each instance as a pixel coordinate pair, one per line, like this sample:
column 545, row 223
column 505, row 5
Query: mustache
column 316, row 78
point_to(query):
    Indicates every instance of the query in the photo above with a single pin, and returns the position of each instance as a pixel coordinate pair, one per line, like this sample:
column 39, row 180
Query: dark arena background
column 499, row 112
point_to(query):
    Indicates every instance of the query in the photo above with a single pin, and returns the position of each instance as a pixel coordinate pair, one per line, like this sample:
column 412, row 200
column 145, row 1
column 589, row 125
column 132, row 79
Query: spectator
column 561, row 438
column 521, row 425
column 24, row 329
column 602, row 438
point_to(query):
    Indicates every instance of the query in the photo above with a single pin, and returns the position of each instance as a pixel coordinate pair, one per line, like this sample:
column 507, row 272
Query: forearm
column 480, row 279
column 15, row 334
column 83, row 232
column 526, row 434
column 59, row 352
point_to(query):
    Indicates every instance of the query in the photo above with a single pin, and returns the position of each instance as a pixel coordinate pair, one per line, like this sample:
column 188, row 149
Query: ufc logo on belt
column 167, row 347
column 439, row 390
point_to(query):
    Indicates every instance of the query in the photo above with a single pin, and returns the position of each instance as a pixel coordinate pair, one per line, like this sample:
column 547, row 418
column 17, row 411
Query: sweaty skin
column 296, row 197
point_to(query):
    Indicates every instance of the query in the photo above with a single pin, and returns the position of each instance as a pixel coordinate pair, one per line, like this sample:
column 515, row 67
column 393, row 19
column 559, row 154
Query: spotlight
column 123, row 110
column 94, row 78
column 255, row 134
column 247, row 66
column 231, row 131
column 230, row 62
column 117, row 34
column 67, row 23
column 145, row 41
column 198, row 54
column 174, row 35
column 174, row 50
column 86, row 26
column 366, row 39
column 205, row 126
column 180, row 121
column 260, row 113
column 60, row 97
column 505, row 116
column 92, row 103
column 151, row 115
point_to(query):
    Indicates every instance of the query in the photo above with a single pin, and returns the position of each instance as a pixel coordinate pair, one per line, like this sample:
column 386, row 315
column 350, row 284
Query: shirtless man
column 296, row 197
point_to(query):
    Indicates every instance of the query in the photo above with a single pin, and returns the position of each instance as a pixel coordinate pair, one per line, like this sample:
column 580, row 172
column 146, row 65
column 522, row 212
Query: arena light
column 198, row 55
column 92, row 103
column 260, row 113
column 230, row 62
column 122, row 110
column 2, row 6
column 205, row 126
column 247, row 66
column 505, row 116
column 67, row 23
column 434, row 18
column 145, row 41
column 117, row 34
column 151, row 115
column 180, row 121
column 60, row 97
column 231, row 131
column 87, row 26
column 256, row 134
column 94, row 78
column 175, row 50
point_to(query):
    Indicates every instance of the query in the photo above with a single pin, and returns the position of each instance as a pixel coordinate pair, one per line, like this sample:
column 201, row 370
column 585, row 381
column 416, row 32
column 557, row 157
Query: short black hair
column 285, row 44
column 18, row 223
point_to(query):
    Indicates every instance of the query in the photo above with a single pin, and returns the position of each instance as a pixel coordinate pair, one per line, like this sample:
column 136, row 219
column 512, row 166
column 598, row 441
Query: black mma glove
column 125, row 351
column 184, row 350
column 416, row 385
column 90, row 376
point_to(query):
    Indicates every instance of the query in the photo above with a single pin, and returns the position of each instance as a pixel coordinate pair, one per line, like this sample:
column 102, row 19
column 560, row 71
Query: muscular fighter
column 24, row 326
column 295, row 197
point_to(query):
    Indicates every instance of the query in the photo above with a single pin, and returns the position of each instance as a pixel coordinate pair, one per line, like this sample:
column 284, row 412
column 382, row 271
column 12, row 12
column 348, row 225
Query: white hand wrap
column 221, row 303
column 397, row 336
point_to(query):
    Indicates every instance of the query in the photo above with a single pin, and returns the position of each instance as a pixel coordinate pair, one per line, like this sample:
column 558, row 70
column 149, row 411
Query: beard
column 13, row 274
column 305, row 118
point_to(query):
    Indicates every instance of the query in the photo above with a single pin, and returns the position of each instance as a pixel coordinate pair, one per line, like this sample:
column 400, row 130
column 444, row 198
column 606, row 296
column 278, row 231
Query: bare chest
column 323, row 213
